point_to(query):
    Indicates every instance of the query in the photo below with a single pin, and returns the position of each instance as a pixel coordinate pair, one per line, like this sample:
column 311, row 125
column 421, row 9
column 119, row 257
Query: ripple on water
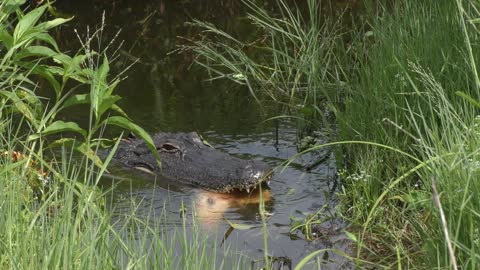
column 293, row 191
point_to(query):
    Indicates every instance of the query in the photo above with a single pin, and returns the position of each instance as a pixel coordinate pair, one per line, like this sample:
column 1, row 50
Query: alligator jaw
column 145, row 170
column 243, row 187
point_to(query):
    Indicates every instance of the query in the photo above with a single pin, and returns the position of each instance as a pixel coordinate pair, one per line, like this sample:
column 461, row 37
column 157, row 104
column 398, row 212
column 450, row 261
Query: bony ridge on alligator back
column 188, row 159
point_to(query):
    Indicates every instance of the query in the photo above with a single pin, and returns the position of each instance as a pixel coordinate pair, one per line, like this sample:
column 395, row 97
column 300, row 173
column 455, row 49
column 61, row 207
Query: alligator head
column 187, row 159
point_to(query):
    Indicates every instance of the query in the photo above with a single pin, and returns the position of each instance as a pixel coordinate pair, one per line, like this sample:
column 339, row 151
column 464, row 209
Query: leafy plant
column 27, row 49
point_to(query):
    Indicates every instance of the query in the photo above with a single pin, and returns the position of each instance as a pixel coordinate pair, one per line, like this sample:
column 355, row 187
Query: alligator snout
column 258, row 172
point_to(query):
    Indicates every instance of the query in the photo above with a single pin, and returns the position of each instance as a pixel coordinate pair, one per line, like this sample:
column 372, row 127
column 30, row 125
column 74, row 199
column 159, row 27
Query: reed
column 290, row 61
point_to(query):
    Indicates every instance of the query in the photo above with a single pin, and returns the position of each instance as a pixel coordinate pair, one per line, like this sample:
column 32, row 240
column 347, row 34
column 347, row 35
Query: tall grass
column 406, row 62
column 70, row 228
column 291, row 60
column 405, row 96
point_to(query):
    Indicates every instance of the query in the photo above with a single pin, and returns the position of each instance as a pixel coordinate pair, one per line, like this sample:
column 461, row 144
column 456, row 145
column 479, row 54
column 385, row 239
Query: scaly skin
column 187, row 159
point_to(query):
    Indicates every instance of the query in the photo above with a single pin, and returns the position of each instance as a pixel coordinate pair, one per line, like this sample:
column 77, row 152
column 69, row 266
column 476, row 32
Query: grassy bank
column 403, row 85
column 405, row 95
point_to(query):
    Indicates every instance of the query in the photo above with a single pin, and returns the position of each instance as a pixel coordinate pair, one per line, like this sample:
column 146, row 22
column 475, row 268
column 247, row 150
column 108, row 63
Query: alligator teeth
column 248, row 190
column 143, row 169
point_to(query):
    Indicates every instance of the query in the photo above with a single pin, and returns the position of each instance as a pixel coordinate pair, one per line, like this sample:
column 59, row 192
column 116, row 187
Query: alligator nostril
column 257, row 175
column 257, row 171
column 210, row 201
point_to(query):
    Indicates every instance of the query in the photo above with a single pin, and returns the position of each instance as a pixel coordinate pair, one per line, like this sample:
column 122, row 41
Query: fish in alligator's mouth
column 210, row 207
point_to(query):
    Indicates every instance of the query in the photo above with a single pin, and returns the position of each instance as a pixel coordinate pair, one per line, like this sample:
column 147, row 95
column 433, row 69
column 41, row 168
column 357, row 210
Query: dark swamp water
column 164, row 92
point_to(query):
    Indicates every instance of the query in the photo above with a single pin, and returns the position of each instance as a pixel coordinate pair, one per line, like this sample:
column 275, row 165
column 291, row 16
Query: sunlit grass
column 405, row 96
column 402, row 122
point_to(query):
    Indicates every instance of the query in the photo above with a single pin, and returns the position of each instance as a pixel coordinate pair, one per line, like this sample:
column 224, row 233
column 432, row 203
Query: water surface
column 163, row 92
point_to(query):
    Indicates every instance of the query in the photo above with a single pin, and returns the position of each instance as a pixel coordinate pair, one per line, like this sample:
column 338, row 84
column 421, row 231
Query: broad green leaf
column 88, row 72
column 89, row 153
column 43, row 72
column 62, row 59
column 73, row 67
column 34, row 51
column 44, row 52
column 27, row 22
column 21, row 107
column 61, row 126
column 99, row 85
column 111, row 88
column 53, row 23
column 107, row 103
column 10, row 6
column 74, row 70
column 76, row 100
column 29, row 96
column 119, row 110
column 104, row 143
column 6, row 38
column 27, row 38
column 78, row 77
column 68, row 142
column 58, row 14
column 78, row 60
column 137, row 130
column 56, row 70
column 103, row 70
column 79, row 147
column 15, row 78
column 33, row 137
column 48, row 39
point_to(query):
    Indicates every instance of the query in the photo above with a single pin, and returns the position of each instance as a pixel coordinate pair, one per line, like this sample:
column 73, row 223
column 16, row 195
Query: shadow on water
column 163, row 92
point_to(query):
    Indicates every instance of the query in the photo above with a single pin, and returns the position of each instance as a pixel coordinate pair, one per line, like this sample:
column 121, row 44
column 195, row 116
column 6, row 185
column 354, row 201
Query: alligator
column 188, row 159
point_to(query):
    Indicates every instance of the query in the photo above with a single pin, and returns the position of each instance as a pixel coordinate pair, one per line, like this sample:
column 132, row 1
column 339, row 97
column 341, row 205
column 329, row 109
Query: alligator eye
column 168, row 148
